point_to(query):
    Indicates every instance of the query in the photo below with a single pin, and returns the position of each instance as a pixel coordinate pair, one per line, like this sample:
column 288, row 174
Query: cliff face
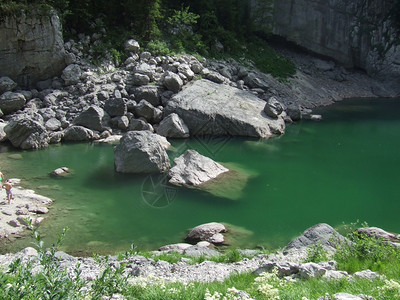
column 356, row 33
column 31, row 48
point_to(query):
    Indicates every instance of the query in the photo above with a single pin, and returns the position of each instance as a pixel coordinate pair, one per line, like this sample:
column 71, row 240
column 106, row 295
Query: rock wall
column 356, row 33
column 31, row 48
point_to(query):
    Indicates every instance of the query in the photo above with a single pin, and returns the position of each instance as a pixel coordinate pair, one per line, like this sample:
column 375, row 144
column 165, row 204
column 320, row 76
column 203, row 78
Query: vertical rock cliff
column 356, row 33
column 31, row 47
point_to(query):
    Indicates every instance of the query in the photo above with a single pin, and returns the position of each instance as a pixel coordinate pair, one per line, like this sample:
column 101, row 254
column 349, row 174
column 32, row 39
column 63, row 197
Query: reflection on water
column 340, row 169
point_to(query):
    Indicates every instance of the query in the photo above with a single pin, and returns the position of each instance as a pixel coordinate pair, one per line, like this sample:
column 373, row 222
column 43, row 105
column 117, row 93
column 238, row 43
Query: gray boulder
column 149, row 112
column 132, row 45
column 368, row 274
column 311, row 270
column 141, row 152
column 26, row 133
column 253, row 81
column 52, row 124
column 175, row 247
column 139, row 124
column 205, row 232
column 3, row 135
column 196, row 67
column 72, row 74
column 293, row 111
column 6, row 84
column 173, row 82
column 140, row 79
column 273, row 108
column 173, row 127
column 322, row 234
column 379, row 233
column 10, row 102
column 56, row 137
column 213, row 76
column 197, row 251
column 94, row 118
column 122, row 122
column 115, row 107
column 193, row 169
column 186, row 70
column 150, row 93
column 47, row 113
column 283, row 268
column 146, row 69
column 78, row 134
column 211, row 109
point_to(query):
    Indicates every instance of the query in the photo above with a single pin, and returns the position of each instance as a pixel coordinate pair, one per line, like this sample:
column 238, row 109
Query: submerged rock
column 62, row 172
column 193, row 169
column 141, row 152
column 208, row 108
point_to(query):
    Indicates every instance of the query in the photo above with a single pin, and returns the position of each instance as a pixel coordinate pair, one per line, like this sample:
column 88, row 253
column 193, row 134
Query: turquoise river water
column 338, row 170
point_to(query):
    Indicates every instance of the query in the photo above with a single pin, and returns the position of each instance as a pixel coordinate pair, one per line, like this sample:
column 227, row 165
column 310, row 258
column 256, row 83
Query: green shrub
column 48, row 282
column 316, row 253
column 364, row 252
column 158, row 47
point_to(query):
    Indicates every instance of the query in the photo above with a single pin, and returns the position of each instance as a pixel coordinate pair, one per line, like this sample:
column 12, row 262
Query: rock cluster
column 90, row 103
column 147, row 92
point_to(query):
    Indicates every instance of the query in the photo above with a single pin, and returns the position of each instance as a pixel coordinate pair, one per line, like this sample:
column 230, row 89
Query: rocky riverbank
column 288, row 264
column 25, row 207
column 88, row 103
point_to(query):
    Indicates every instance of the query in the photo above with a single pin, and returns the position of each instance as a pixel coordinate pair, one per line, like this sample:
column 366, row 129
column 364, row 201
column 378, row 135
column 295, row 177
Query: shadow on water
column 377, row 109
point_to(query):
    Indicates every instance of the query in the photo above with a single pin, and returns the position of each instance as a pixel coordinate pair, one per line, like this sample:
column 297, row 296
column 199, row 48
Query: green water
column 342, row 169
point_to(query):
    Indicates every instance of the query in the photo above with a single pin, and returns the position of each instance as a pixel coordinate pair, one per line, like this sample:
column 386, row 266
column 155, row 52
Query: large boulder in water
column 141, row 152
column 26, row 133
column 193, row 169
column 210, row 232
column 208, row 108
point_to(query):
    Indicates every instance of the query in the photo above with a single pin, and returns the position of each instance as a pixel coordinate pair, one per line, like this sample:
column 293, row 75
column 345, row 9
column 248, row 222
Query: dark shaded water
column 341, row 169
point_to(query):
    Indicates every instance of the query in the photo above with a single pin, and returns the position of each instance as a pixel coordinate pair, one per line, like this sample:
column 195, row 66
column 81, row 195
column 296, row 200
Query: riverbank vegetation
column 212, row 29
column 25, row 280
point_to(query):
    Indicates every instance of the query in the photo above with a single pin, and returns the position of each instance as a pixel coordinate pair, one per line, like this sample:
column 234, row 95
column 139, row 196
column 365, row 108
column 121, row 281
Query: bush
column 364, row 252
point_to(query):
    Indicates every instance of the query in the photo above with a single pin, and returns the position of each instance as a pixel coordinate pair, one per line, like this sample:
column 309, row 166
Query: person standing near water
column 1, row 180
column 8, row 186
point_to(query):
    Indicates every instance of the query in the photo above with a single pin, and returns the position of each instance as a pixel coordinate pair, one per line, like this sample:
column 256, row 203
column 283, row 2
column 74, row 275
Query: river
column 339, row 170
